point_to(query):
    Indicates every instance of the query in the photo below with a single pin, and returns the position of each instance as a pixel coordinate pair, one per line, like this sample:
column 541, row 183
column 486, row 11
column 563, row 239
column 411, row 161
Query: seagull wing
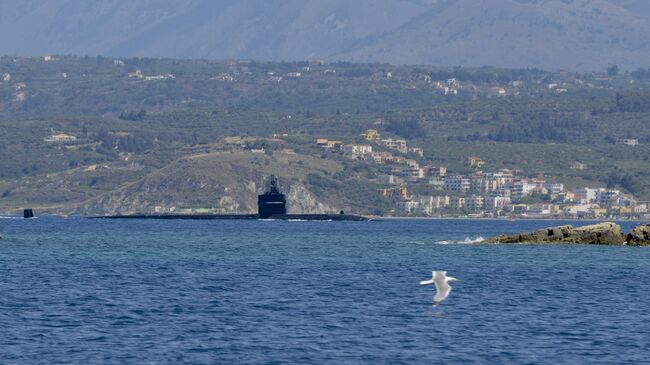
column 442, row 291
column 442, row 287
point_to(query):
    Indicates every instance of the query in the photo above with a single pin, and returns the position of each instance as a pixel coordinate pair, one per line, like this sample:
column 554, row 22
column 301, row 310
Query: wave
column 10, row 217
column 466, row 241
column 415, row 242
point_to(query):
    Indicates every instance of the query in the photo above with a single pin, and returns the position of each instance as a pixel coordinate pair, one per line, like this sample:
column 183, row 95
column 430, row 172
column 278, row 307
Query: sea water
column 145, row 291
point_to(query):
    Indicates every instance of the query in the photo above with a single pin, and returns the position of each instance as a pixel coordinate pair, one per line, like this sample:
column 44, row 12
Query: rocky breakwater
column 607, row 233
column 639, row 236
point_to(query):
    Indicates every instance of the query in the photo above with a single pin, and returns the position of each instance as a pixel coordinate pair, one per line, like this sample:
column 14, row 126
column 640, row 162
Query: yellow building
column 401, row 192
column 476, row 161
column 370, row 135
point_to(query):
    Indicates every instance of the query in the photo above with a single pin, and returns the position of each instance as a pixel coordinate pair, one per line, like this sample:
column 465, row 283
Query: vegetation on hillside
column 126, row 128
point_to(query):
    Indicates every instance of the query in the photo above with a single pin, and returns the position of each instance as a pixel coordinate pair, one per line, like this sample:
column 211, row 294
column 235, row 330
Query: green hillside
column 127, row 129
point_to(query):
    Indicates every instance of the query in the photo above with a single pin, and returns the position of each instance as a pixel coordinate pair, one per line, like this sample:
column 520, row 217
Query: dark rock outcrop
column 607, row 233
column 639, row 236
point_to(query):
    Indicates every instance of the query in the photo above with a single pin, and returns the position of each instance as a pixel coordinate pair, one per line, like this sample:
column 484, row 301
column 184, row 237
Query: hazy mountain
column 550, row 34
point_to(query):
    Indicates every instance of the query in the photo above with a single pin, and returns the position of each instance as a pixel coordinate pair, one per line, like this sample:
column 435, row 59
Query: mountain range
column 576, row 35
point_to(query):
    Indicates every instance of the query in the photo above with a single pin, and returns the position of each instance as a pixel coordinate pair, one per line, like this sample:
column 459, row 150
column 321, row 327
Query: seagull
column 443, row 288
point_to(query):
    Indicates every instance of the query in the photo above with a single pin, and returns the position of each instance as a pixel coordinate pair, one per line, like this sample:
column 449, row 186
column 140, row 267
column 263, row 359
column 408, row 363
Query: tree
column 612, row 70
column 408, row 128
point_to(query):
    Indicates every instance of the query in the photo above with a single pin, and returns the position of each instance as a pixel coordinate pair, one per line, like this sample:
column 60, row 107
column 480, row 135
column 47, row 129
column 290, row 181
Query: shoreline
column 367, row 217
column 515, row 219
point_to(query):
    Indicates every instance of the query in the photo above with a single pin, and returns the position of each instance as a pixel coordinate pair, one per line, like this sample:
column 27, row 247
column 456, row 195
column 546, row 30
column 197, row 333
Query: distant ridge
column 581, row 35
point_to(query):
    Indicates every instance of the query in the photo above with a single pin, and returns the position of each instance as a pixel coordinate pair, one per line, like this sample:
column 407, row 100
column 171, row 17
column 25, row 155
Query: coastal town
column 481, row 193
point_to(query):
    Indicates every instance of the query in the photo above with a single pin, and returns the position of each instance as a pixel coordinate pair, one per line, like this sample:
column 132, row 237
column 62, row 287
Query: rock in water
column 601, row 234
column 546, row 235
column 639, row 236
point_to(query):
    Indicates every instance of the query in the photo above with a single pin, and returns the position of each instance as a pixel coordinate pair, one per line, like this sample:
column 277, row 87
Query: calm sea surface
column 142, row 291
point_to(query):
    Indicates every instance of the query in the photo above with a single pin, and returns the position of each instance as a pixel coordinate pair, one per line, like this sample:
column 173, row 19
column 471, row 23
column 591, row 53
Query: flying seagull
column 443, row 288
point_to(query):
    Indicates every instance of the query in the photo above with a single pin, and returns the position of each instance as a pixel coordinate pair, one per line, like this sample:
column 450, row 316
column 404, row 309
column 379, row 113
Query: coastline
column 367, row 217
column 514, row 219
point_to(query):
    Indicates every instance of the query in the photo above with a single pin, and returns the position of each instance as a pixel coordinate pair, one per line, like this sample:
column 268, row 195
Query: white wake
column 466, row 241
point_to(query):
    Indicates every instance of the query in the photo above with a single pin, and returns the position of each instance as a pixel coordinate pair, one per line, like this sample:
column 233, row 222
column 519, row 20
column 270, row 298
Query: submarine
column 271, row 205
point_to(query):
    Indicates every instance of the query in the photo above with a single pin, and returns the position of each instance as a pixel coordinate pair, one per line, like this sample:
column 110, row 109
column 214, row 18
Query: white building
column 60, row 138
column 585, row 195
column 553, row 188
column 641, row 208
column 396, row 144
column 580, row 209
column 521, row 189
column 497, row 202
column 632, row 142
column 408, row 206
column 416, row 150
column 356, row 150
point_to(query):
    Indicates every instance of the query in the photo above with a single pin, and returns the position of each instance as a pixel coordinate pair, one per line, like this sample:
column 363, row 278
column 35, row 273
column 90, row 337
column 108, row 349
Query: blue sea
column 84, row 291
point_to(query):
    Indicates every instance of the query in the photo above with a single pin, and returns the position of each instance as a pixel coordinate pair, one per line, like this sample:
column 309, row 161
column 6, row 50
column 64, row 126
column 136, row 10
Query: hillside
column 582, row 35
column 100, row 135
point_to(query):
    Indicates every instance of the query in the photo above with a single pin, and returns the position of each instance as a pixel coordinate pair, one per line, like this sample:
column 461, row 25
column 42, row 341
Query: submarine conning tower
column 272, row 202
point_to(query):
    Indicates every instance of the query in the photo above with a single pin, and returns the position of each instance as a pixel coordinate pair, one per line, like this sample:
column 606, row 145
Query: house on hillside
column 476, row 162
column 396, row 144
column 416, row 151
column 578, row 166
column 382, row 157
column 136, row 73
column 356, row 150
column 497, row 90
column 435, row 171
column 632, row 142
column 370, row 135
column 401, row 192
column 60, row 138
column 326, row 143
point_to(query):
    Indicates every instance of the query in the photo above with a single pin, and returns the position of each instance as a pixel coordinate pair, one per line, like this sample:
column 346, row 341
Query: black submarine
column 272, row 204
